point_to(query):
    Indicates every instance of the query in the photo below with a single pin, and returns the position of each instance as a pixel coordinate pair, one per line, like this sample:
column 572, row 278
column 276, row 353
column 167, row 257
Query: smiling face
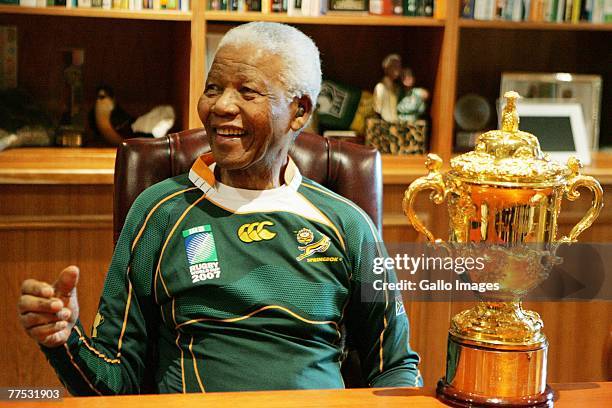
column 246, row 110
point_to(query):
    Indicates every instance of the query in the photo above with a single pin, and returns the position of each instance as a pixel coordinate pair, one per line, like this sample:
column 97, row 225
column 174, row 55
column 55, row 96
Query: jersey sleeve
column 113, row 360
column 376, row 320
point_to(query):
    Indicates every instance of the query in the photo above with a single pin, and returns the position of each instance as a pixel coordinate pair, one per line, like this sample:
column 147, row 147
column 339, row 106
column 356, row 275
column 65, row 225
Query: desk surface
column 566, row 395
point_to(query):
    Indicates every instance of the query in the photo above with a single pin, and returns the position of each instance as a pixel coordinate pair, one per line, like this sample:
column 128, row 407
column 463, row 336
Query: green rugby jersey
column 213, row 288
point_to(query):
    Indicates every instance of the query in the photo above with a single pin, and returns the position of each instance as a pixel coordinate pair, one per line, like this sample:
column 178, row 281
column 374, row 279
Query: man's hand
column 48, row 312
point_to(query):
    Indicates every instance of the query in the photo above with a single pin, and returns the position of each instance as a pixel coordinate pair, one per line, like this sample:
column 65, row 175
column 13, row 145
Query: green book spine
column 553, row 15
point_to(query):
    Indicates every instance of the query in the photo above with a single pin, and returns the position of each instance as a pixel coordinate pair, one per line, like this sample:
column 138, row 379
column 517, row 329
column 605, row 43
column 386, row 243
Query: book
column 586, row 13
column 576, row 6
column 294, row 8
column 33, row 3
column 597, row 16
column 397, row 7
column 467, row 9
column 84, row 3
column 569, row 5
column 439, row 9
column 277, row 6
column 409, row 7
column 480, row 9
column 560, row 11
column 381, row 7
column 8, row 57
column 420, row 8
column 348, row 5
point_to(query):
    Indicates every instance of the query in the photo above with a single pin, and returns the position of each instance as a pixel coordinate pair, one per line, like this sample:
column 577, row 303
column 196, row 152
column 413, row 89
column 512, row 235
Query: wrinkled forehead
column 248, row 59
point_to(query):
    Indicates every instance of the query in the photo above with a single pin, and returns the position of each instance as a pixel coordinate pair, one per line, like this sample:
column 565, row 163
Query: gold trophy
column 504, row 200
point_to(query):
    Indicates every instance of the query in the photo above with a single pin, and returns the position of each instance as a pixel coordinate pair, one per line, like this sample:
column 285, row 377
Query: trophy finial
column 510, row 119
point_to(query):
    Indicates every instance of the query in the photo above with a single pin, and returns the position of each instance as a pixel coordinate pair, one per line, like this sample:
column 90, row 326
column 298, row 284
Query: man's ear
column 301, row 109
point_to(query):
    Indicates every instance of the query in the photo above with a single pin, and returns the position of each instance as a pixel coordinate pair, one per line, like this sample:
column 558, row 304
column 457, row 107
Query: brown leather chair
column 350, row 170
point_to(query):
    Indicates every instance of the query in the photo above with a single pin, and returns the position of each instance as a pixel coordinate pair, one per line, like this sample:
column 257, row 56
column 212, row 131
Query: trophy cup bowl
column 503, row 200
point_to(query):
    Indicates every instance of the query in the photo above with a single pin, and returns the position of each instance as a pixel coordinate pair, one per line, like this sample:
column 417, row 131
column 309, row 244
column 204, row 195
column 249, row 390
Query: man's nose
column 226, row 104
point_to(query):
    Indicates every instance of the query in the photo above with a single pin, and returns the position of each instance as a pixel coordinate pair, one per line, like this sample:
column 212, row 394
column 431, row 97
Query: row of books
column 552, row 11
column 182, row 5
column 422, row 8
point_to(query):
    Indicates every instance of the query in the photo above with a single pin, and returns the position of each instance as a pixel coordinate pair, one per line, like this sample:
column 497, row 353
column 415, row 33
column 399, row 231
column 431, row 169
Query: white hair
column 301, row 73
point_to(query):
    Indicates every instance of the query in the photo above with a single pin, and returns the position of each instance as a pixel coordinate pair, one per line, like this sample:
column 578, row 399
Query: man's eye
column 212, row 89
column 249, row 92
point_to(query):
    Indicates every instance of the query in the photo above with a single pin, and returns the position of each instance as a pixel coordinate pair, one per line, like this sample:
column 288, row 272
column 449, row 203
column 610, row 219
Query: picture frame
column 560, row 128
column 561, row 87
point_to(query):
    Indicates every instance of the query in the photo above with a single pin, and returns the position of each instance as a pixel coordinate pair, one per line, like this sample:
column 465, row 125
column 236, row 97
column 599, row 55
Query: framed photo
column 561, row 87
column 559, row 127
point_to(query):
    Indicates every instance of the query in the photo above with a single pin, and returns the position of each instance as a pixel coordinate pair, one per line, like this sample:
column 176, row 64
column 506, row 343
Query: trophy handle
column 432, row 181
column 572, row 193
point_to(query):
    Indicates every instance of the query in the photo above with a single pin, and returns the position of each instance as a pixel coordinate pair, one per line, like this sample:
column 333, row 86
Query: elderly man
column 241, row 274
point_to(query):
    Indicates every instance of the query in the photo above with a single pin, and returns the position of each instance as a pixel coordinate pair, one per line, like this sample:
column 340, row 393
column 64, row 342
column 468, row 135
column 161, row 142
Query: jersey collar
column 203, row 176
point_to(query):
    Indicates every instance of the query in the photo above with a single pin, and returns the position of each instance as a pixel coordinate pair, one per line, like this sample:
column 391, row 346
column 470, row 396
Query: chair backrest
column 350, row 170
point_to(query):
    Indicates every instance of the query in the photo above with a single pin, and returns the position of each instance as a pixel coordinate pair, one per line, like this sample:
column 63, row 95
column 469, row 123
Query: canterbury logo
column 320, row 246
column 255, row 231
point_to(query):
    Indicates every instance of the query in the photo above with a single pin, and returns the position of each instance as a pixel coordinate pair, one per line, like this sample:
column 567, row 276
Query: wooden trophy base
column 455, row 398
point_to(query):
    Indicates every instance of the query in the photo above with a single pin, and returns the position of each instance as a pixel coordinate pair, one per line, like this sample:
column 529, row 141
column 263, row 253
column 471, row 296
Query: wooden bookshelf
column 167, row 15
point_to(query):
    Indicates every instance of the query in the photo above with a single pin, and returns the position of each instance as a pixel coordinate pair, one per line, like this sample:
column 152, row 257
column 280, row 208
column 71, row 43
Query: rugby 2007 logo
column 256, row 231
column 201, row 253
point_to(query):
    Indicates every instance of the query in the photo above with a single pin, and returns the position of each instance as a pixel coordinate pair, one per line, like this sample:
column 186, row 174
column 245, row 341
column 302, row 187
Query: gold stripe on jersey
column 380, row 253
column 382, row 333
column 261, row 309
column 127, row 273
column 178, row 336
column 173, row 312
column 125, row 317
column 160, row 202
column 195, row 365
column 158, row 273
column 96, row 352
column 79, row 370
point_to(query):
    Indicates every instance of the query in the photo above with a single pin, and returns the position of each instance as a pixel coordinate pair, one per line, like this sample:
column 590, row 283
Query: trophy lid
column 508, row 156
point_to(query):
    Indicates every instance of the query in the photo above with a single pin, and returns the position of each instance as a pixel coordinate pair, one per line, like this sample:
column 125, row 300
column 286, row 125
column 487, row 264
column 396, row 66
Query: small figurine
column 387, row 90
column 111, row 121
column 114, row 124
column 412, row 100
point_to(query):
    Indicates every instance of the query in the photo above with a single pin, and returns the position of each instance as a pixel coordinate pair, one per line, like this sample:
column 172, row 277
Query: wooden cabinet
column 61, row 214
